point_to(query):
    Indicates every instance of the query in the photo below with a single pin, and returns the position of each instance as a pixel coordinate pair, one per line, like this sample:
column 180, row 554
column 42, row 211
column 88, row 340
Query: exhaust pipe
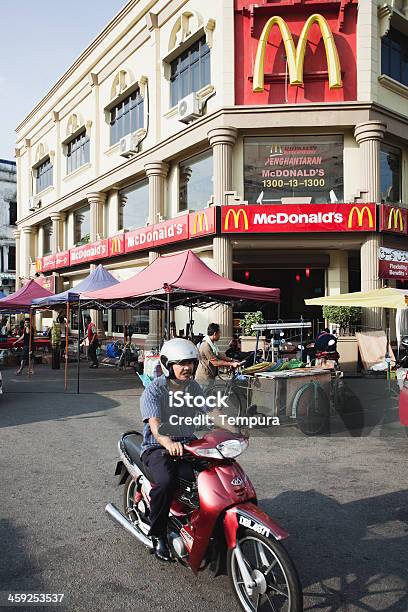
column 117, row 516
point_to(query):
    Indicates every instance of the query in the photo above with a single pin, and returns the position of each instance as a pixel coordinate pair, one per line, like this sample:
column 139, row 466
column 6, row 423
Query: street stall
column 98, row 279
column 20, row 302
column 176, row 280
column 388, row 298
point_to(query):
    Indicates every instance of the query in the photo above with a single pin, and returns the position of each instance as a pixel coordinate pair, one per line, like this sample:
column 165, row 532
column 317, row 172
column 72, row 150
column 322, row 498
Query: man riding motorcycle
column 179, row 360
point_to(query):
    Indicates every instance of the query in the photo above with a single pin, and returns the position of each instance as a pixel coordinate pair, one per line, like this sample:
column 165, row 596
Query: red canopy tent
column 177, row 280
column 22, row 298
column 186, row 278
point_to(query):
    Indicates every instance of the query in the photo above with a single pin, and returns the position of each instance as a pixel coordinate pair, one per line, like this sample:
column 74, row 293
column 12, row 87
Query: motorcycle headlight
column 232, row 448
column 211, row 453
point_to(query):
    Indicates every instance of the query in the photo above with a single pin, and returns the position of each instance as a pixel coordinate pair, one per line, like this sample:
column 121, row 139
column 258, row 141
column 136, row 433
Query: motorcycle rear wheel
column 132, row 513
column 278, row 587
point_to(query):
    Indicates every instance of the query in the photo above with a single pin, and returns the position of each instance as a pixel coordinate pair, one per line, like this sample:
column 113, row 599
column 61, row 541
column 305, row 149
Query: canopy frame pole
column 30, row 343
column 256, row 345
column 168, row 316
column 79, row 344
column 66, row 349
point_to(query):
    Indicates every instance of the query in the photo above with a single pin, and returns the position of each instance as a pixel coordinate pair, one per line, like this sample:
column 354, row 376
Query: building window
column 47, row 247
column 127, row 116
column 190, row 71
column 12, row 258
column 302, row 167
column 82, row 226
column 196, row 182
column 12, row 213
column 134, row 206
column 390, row 174
column 394, row 56
column 43, row 175
column 78, row 152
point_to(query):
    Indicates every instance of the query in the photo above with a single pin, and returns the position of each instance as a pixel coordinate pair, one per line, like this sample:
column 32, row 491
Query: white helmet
column 177, row 349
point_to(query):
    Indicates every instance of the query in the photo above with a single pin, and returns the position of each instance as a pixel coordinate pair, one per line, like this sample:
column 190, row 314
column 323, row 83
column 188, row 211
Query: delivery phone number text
column 294, row 183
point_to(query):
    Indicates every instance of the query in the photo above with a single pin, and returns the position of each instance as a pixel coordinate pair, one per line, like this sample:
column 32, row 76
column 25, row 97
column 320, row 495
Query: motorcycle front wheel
column 277, row 586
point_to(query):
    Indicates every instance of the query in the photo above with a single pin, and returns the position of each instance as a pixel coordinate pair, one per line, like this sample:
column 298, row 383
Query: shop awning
column 186, row 278
column 22, row 299
column 97, row 280
column 388, row 297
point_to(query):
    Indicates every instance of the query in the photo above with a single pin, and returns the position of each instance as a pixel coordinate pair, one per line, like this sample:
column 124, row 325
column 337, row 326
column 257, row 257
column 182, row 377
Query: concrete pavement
column 343, row 498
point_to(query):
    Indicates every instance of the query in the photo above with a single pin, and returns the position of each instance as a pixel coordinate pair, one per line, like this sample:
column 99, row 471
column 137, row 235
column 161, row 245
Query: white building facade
column 157, row 121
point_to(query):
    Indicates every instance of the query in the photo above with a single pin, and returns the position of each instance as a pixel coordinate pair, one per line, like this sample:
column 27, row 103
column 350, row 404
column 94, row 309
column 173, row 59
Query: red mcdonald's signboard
column 173, row 230
column 302, row 218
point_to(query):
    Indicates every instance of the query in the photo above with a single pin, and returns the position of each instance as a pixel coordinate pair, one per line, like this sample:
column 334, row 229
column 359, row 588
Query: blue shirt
column 155, row 402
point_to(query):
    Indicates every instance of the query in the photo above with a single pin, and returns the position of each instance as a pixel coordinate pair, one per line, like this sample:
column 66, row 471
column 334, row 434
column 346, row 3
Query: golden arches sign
column 296, row 55
column 236, row 214
column 360, row 212
column 200, row 221
column 395, row 214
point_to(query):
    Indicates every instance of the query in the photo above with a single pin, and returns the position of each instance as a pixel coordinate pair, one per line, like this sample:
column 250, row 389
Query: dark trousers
column 56, row 357
column 166, row 472
column 92, row 354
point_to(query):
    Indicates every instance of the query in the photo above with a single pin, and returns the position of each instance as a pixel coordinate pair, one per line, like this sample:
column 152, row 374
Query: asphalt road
column 343, row 498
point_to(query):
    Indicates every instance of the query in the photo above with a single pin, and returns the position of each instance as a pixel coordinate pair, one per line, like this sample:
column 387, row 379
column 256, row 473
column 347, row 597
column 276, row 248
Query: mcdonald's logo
column 116, row 245
column 395, row 214
column 360, row 212
column 296, row 55
column 236, row 214
column 38, row 265
column 200, row 221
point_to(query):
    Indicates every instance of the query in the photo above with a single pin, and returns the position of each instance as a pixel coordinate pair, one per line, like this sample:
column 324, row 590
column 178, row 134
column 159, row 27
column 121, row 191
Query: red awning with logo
column 22, row 299
column 185, row 275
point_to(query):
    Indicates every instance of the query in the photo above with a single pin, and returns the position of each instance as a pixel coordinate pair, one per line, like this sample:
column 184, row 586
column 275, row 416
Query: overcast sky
column 38, row 42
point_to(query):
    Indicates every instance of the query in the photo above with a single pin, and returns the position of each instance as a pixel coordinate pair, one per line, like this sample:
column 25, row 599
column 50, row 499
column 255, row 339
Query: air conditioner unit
column 34, row 204
column 129, row 145
column 189, row 108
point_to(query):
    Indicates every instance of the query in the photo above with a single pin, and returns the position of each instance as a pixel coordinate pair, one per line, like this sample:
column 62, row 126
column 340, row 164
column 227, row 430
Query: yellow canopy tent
column 387, row 297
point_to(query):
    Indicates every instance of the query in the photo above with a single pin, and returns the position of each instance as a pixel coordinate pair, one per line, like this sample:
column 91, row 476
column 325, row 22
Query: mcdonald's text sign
column 393, row 219
column 285, row 55
column 299, row 218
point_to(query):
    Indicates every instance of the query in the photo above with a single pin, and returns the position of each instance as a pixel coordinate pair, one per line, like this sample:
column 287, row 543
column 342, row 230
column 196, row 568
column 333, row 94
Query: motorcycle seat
column 133, row 448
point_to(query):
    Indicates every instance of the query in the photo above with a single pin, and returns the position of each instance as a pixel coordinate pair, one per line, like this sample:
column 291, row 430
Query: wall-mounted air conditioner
column 189, row 108
column 129, row 145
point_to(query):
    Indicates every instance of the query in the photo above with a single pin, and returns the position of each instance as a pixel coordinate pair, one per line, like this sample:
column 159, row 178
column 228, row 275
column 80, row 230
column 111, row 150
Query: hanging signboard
column 393, row 264
column 393, row 219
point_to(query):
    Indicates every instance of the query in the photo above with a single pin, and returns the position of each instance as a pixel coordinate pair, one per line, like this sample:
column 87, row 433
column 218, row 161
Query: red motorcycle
column 214, row 521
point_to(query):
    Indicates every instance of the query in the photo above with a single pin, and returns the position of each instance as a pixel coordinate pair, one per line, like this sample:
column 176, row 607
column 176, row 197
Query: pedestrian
column 56, row 330
column 211, row 358
column 93, row 342
column 28, row 333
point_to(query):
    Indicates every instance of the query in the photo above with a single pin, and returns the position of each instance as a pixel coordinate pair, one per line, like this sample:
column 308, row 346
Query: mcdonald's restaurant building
column 270, row 138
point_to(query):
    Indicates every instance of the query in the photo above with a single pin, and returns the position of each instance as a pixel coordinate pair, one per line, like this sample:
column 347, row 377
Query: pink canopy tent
column 22, row 299
column 186, row 279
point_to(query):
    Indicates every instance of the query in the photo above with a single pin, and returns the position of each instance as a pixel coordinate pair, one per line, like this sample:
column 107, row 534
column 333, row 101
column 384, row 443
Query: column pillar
column 222, row 141
column 369, row 136
column 26, row 252
column 156, row 172
column 57, row 236
column 337, row 273
column 96, row 203
column 113, row 216
column 40, row 241
column 16, row 234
